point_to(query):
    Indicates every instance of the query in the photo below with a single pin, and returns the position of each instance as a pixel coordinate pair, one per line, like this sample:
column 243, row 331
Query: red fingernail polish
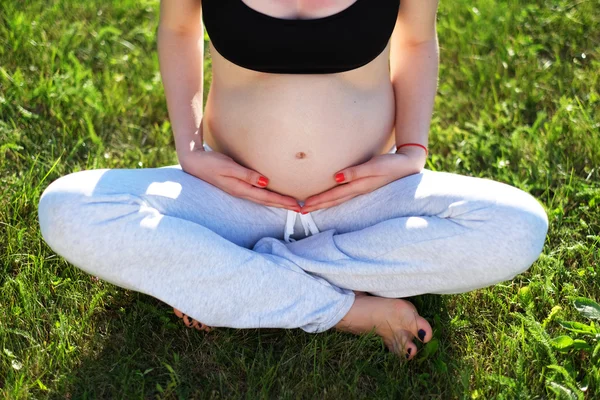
column 304, row 212
column 340, row 177
column 262, row 181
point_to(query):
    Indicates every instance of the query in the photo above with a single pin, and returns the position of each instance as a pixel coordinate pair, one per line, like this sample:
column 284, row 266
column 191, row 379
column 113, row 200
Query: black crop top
column 340, row 42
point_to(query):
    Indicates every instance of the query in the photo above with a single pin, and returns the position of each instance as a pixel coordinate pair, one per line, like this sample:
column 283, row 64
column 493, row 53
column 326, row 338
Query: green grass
column 518, row 102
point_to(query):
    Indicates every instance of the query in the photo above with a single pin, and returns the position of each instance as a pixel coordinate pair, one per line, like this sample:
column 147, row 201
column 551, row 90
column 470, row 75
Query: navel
column 300, row 155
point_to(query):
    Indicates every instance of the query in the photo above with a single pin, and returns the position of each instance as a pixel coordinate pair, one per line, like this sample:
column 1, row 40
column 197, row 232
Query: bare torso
column 298, row 130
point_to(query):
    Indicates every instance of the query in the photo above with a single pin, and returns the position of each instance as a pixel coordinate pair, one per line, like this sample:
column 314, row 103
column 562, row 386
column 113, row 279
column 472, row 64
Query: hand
column 365, row 178
column 223, row 172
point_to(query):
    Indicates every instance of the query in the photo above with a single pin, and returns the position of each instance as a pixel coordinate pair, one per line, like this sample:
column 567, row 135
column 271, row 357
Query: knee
column 521, row 226
column 53, row 208
column 59, row 209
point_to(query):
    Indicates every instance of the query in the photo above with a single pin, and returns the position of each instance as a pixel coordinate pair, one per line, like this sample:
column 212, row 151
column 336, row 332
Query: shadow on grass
column 140, row 349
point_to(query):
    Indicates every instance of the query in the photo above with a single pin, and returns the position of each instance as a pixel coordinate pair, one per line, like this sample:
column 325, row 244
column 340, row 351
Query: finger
column 266, row 196
column 329, row 204
column 297, row 208
column 373, row 167
column 326, row 203
column 337, row 192
column 235, row 170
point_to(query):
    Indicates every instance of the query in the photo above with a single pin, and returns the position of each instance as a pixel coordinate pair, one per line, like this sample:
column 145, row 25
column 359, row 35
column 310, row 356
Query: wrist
column 414, row 150
column 415, row 154
column 400, row 148
column 188, row 144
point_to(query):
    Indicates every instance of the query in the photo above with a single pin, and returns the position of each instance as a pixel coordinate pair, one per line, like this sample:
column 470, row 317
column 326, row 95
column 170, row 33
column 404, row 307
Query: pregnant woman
column 301, row 184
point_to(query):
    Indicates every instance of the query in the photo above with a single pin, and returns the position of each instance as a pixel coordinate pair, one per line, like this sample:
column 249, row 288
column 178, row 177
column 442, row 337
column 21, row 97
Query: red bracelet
column 413, row 144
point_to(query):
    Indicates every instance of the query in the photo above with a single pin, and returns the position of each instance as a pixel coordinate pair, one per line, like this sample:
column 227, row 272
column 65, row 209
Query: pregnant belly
column 299, row 137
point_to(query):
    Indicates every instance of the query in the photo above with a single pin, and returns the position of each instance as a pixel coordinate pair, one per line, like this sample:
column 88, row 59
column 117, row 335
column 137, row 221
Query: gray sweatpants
column 229, row 262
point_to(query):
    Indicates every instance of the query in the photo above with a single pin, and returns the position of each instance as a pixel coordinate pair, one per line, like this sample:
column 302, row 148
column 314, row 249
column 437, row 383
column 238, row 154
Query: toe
column 187, row 321
column 421, row 329
column 415, row 324
column 409, row 347
column 200, row 326
column 410, row 350
column 178, row 313
column 197, row 325
column 424, row 331
column 190, row 322
column 204, row 327
column 402, row 345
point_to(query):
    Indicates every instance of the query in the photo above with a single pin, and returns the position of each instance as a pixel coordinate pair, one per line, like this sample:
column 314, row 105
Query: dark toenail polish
column 421, row 334
column 407, row 355
column 409, row 350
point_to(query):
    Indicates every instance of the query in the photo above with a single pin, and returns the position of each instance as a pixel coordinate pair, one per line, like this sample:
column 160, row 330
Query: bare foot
column 189, row 322
column 395, row 320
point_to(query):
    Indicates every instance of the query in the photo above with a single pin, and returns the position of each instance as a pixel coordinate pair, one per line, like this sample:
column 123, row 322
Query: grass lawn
column 518, row 102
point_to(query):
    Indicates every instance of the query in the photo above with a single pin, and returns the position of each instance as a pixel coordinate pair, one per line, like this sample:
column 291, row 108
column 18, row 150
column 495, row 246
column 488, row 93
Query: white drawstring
column 289, row 226
column 307, row 223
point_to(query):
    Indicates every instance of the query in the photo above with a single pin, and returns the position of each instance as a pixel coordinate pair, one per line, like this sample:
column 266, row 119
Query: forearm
column 414, row 75
column 181, row 66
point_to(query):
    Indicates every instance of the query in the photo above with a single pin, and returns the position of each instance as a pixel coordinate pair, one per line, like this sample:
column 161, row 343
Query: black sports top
column 340, row 42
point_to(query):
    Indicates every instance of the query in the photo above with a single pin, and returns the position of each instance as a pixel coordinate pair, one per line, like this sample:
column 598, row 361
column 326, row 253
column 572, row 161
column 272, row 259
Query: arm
column 181, row 55
column 414, row 59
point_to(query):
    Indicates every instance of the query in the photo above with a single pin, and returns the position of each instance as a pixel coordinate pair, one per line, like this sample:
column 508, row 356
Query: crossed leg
column 170, row 235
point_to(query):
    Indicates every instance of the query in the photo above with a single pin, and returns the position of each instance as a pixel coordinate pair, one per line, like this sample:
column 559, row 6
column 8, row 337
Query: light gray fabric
column 223, row 261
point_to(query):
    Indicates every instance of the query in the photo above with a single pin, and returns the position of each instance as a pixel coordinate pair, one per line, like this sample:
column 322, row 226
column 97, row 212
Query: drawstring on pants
column 306, row 219
column 307, row 223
